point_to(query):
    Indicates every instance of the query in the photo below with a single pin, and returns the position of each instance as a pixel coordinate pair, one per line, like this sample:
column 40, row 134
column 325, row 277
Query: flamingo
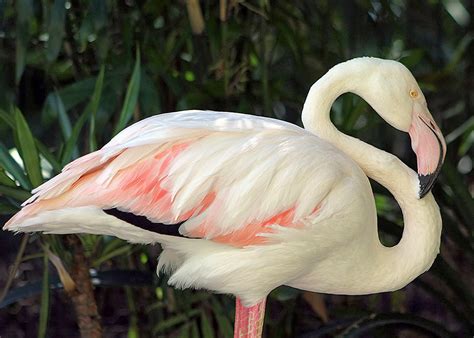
column 243, row 204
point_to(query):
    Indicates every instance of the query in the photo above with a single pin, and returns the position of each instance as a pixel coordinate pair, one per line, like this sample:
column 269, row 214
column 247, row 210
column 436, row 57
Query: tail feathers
column 88, row 219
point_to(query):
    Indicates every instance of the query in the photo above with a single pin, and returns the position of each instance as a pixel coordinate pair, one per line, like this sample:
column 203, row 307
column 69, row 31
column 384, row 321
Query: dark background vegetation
column 72, row 73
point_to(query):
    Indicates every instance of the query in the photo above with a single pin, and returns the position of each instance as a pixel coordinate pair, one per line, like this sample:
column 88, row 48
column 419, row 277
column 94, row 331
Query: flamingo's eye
column 413, row 93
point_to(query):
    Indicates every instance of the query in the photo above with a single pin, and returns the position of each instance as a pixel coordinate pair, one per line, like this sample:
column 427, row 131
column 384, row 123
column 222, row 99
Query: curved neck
column 422, row 221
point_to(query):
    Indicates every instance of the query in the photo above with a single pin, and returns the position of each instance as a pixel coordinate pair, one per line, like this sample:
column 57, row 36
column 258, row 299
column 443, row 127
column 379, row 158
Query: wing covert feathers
column 227, row 176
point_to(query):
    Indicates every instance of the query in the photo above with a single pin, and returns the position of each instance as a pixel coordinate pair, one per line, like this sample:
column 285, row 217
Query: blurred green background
column 72, row 73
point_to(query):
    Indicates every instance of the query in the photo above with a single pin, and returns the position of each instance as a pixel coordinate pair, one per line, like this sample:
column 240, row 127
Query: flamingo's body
column 259, row 202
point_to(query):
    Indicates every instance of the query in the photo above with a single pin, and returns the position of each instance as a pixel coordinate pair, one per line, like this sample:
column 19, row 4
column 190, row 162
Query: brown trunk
column 82, row 295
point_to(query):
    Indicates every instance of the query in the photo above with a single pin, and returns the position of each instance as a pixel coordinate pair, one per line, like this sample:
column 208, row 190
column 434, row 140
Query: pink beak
column 429, row 146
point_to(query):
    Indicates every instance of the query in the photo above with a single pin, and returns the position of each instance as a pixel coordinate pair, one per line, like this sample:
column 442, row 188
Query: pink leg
column 249, row 320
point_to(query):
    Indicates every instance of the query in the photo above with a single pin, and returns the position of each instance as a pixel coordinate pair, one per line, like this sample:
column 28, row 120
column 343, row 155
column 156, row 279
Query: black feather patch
column 144, row 223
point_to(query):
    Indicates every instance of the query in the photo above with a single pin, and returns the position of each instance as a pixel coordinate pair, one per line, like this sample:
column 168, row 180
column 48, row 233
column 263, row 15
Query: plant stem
column 15, row 266
column 82, row 296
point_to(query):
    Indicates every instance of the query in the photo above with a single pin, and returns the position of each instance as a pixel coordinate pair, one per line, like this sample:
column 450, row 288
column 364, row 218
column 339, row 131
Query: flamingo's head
column 396, row 96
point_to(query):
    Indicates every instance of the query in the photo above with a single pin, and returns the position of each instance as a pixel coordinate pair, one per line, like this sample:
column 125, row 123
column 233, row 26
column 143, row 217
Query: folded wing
column 221, row 176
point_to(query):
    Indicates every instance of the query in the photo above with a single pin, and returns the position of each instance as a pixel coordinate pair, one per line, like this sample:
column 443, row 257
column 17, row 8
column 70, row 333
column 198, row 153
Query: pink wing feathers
column 228, row 177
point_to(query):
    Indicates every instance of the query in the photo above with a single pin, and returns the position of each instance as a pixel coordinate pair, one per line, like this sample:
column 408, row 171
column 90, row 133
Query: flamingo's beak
column 429, row 146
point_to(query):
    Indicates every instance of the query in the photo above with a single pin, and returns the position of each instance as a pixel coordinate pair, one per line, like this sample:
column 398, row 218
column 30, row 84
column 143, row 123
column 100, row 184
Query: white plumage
column 270, row 203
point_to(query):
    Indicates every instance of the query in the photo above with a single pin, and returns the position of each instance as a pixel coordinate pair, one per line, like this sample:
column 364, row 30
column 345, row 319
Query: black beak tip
column 426, row 183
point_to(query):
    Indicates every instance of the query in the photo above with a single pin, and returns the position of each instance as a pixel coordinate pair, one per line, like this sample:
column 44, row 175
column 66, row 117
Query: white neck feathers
column 422, row 221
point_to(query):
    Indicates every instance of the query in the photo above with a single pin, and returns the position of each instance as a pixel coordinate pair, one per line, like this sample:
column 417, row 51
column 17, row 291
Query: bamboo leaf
column 12, row 167
column 28, row 149
column 131, row 97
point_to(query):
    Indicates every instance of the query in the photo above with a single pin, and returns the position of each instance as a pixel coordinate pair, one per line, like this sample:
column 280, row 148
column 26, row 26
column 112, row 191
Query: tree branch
column 82, row 295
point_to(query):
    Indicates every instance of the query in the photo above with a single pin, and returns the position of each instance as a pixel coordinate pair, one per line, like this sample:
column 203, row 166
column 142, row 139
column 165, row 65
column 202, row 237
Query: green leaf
column 48, row 156
column 173, row 321
column 461, row 197
column 131, row 97
column 5, row 180
column 149, row 99
column 12, row 167
column 133, row 325
column 206, row 326
column 184, row 332
column 76, row 93
column 99, row 14
column 25, row 16
column 94, row 106
column 55, row 103
column 195, row 331
column 56, row 29
column 10, row 120
column 16, row 193
column 44, row 310
column 7, row 118
column 125, row 249
column 223, row 321
column 28, row 149
column 71, row 143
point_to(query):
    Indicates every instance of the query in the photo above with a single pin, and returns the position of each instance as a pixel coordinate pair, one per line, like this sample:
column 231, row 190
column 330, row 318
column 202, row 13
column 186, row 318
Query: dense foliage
column 74, row 73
